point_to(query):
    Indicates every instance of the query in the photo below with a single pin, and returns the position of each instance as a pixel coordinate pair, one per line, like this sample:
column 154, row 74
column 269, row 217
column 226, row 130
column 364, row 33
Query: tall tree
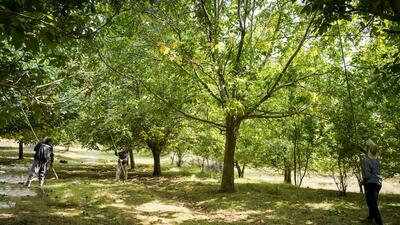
column 232, row 52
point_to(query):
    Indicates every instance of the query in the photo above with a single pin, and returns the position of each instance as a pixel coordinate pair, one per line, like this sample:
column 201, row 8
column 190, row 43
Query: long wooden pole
column 37, row 139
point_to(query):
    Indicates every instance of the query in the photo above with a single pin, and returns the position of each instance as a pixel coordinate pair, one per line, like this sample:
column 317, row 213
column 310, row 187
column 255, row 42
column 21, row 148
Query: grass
column 87, row 194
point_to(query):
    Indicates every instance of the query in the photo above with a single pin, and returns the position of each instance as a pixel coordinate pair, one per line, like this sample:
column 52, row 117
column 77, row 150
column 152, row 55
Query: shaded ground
column 86, row 194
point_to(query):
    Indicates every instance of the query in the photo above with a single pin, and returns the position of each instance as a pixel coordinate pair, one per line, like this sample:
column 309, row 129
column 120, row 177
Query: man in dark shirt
column 43, row 156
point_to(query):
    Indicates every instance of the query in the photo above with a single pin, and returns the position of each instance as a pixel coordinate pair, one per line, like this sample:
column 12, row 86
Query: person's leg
column 368, row 197
column 375, row 195
column 42, row 173
column 125, row 172
column 31, row 173
column 118, row 173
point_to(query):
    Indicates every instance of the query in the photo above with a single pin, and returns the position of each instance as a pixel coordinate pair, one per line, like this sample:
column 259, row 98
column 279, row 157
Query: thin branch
column 169, row 104
column 200, row 80
column 274, row 37
column 270, row 115
column 242, row 26
column 58, row 102
column 296, row 80
column 208, row 19
column 283, row 72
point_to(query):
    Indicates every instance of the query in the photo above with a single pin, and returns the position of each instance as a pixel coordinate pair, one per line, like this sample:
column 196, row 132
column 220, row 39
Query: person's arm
column 366, row 171
column 361, row 149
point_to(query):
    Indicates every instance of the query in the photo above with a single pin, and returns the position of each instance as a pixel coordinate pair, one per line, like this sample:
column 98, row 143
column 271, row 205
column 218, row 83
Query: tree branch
column 270, row 114
column 201, row 82
column 283, row 72
column 169, row 104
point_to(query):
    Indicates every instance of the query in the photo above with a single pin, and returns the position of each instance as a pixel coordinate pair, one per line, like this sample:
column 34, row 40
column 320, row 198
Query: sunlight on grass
column 156, row 206
column 67, row 194
column 394, row 204
column 66, row 213
column 323, row 206
column 105, row 194
column 118, row 204
column 5, row 215
column 234, row 216
column 194, row 178
column 156, row 212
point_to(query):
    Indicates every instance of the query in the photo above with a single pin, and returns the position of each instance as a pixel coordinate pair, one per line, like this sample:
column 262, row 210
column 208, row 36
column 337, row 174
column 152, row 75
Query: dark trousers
column 37, row 166
column 371, row 195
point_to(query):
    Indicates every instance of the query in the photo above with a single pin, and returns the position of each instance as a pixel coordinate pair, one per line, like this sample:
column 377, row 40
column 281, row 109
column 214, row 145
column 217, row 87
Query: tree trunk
column 294, row 157
column 288, row 175
column 179, row 161
column 360, row 186
column 244, row 165
column 157, row 165
column 173, row 158
column 239, row 170
column 20, row 150
column 232, row 127
column 132, row 159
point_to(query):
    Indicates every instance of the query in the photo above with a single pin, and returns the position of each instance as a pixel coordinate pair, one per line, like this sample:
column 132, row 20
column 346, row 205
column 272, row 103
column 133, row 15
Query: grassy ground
column 87, row 194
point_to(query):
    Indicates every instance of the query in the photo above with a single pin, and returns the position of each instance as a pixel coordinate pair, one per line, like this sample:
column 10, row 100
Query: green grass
column 87, row 194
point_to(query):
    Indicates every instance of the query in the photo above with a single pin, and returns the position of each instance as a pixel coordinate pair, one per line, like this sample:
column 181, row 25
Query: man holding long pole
column 43, row 157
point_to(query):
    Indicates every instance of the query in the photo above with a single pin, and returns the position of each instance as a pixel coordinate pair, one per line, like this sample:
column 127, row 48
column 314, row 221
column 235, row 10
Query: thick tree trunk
column 20, row 150
column 157, row 165
column 132, row 159
column 232, row 127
